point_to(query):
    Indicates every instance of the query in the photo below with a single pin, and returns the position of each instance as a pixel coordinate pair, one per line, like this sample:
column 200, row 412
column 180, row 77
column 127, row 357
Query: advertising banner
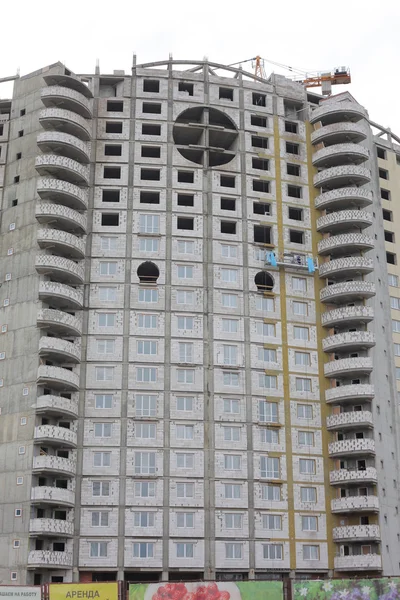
column 19, row 592
column 83, row 591
column 348, row 589
column 199, row 590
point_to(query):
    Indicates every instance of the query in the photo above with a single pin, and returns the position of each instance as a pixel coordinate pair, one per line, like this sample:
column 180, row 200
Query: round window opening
column 205, row 136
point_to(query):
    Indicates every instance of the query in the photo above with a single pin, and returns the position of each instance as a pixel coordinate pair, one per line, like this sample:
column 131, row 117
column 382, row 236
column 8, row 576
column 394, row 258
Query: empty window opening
column 185, row 200
column 113, row 149
column 153, row 108
column 112, row 173
column 114, row 127
column 14, row 202
column 264, row 281
column 151, row 151
column 258, row 121
column 293, row 169
column 22, row 112
column 149, row 197
column 294, row 191
column 259, row 142
column 186, row 87
column 110, row 195
column 292, row 148
column 259, row 99
column 228, row 227
column 261, row 186
column 19, row 155
column 296, row 237
column 387, row 215
column 225, row 93
column 381, row 153
column 227, row 181
column 151, row 85
column 150, row 174
column 1, row 129
column 260, row 208
column 295, row 213
column 383, row 174
column 389, row 236
column 385, row 194
column 260, row 163
column 148, row 272
column 151, row 129
column 186, row 176
column 20, row 133
column 262, row 234
column 16, row 179
column 391, row 258
column 291, row 127
column 185, row 223
column 115, row 106
column 228, row 204
column 110, row 219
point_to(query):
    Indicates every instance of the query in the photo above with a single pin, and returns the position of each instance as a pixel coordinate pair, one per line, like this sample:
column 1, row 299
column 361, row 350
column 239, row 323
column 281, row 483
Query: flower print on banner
column 348, row 589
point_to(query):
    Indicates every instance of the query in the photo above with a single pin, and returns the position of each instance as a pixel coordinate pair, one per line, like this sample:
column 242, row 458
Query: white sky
column 314, row 35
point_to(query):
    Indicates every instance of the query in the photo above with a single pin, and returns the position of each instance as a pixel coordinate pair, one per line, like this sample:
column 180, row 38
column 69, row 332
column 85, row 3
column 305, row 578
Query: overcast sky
column 312, row 35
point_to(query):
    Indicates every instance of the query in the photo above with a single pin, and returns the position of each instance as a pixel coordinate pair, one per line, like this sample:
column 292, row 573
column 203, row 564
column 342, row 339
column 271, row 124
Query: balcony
column 62, row 167
column 339, row 154
column 346, row 175
column 68, row 81
column 60, row 268
column 343, row 220
column 347, row 291
column 55, row 436
column 59, row 322
column 63, row 192
column 350, row 420
column 61, row 295
column 53, row 496
column 57, row 405
column 359, row 562
column 355, row 503
column 347, row 316
column 352, row 393
column 350, row 367
column 334, row 112
column 348, row 266
column 57, row 96
column 47, row 559
column 51, row 527
column 60, row 350
column 348, row 341
column 355, row 447
column 57, row 378
column 356, row 533
column 64, row 144
column 66, row 121
column 346, row 242
column 65, row 217
column 64, row 243
column 344, row 476
column 339, row 133
column 344, row 198
column 54, row 464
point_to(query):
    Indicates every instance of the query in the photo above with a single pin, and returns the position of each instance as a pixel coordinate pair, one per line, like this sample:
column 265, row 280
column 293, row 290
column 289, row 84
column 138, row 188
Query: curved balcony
column 347, row 316
column 344, row 219
column 61, row 295
column 343, row 476
column 352, row 393
column 62, row 167
column 351, row 367
column 63, row 192
column 52, row 496
column 359, row 562
column 339, row 154
column 51, row 527
column 363, row 447
column 57, row 405
column 345, row 267
column 350, row 420
column 55, row 436
column 344, row 243
column 355, row 503
column 66, row 121
column 334, row 112
column 356, row 533
column 59, row 349
column 64, row 144
column 344, row 198
column 347, row 291
column 65, row 243
column 58, row 96
column 342, row 176
column 57, row 378
column 59, row 322
column 348, row 341
column 47, row 559
column 60, row 268
column 47, row 212
column 68, row 81
column 54, row 464
column 339, row 133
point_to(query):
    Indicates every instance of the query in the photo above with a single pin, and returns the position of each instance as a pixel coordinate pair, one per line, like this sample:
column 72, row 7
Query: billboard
column 84, row 591
column 19, row 592
column 348, row 589
column 198, row 590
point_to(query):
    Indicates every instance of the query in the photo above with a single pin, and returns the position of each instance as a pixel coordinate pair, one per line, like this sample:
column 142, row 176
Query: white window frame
column 147, row 321
column 186, row 376
column 149, row 244
column 107, row 318
column 270, row 467
column 103, row 459
column 230, row 300
column 98, row 549
column 234, row 491
column 149, row 223
column 107, row 293
column 108, row 268
column 100, row 518
column 145, row 463
column 102, row 487
column 141, row 410
column 148, row 295
column 307, row 466
column 185, row 271
column 104, row 373
column 185, row 297
column 146, row 374
column 102, row 430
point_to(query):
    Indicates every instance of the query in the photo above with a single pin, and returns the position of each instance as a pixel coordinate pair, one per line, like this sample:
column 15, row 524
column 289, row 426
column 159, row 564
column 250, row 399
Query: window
column 259, row 99
column 230, row 300
column 394, row 303
column 269, row 467
column 146, row 347
column 296, row 214
column 258, row 121
column 230, row 325
column 302, row 359
column 143, row 519
column 151, row 85
column 98, row 549
column 269, row 382
column 387, row 215
column 146, row 375
column 184, row 432
column 188, row 88
column 310, row 552
column 259, row 142
column 112, row 150
column 228, row 204
column 145, row 489
column 185, row 272
column 151, row 129
column 396, row 326
column 185, row 323
column 185, row 352
column 225, row 93
column 397, row 349
column 308, row 494
column 107, row 294
column 231, row 434
column 23, row 421
column 149, row 197
column 186, row 176
column 185, row 460
column 261, row 164
column 265, row 304
column 184, row 520
column 227, row 181
column 303, row 384
column 228, row 227
column 291, row 127
column 265, row 329
column 145, row 463
column 393, row 280
column 149, row 244
column 106, row 319
column 229, row 275
column 273, row 551
column 184, row 550
column 104, row 373
column 307, row 466
column 148, row 296
column 304, row 411
column 14, row 575
column 153, row 108
column 232, row 490
column 103, row 400
column 231, row 379
column 385, row 194
column 21, row 450
column 233, row 520
column 262, row 208
column 232, row 462
column 111, row 173
column 268, row 411
column 105, row 346
column 272, row 522
column 391, row 258
column 271, row 492
column 229, row 251
column 150, row 174
column 296, row 237
column 185, row 223
column 113, row 127
column 145, row 431
column 101, row 459
column 102, row 430
column 146, row 405
column 231, row 406
column 233, row 550
column 115, row 106
column 147, row 321
column 259, row 185
column 143, row 550
column 230, row 355
column 306, row 438
column 100, row 488
column 18, row 512
column 185, row 376
column 381, row 153
column 185, row 490
column 184, row 403
column 309, row 523
column 185, row 247
column 383, row 174
column 397, row 373
column 294, row 191
column 293, row 170
column 292, row 148
column 185, row 200
column 149, row 224
column 100, row 518
column 300, row 308
column 269, row 436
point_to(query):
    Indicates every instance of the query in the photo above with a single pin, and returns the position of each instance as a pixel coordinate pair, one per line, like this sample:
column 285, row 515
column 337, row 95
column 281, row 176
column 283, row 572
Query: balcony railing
column 360, row 562
column 47, row 559
column 355, row 447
